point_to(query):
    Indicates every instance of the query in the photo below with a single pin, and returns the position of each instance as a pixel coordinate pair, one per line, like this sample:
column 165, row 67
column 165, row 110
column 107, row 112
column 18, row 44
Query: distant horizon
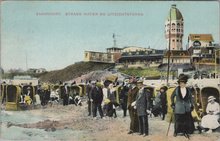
column 55, row 34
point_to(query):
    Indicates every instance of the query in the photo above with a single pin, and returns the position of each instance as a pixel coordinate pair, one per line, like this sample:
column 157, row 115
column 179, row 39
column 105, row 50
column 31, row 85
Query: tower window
column 177, row 40
column 178, row 24
column 173, row 40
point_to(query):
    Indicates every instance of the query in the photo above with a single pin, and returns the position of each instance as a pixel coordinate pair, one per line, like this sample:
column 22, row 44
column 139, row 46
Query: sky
column 47, row 36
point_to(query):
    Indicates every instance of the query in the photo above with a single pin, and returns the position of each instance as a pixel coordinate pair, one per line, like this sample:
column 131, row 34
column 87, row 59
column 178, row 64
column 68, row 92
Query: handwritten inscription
column 89, row 14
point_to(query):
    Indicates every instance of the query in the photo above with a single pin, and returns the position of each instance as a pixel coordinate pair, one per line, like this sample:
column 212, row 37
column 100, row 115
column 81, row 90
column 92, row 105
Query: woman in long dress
column 182, row 106
column 210, row 121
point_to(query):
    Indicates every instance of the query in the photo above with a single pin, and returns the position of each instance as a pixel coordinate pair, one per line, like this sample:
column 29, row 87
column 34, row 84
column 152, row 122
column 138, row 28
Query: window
column 178, row 25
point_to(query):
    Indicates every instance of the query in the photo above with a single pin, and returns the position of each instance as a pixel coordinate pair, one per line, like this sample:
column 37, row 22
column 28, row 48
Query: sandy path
column 75, row 118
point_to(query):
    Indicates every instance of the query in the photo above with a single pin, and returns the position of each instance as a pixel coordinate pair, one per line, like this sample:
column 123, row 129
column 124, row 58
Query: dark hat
column 182, row 78
column 164, row 88
column 133, row 80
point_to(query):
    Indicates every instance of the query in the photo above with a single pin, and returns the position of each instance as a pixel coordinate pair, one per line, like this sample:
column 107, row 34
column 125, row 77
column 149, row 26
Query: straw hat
column 93, row 82
column 140, row 82
column 210, row 98
column 107, row 101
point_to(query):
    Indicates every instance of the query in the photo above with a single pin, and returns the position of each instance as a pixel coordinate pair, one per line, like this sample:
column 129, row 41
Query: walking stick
column 91, row 108
column 171, row 118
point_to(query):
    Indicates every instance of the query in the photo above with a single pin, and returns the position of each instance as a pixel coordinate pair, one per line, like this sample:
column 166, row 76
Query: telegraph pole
column 168, row 61
column 114, row 40
column 1, row 73
column 217, row 53
column 26, row 60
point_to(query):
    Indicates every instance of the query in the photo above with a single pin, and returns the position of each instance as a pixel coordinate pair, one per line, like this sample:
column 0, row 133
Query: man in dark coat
column 132, row 94
column 142, row 106
column 3, row 92
column 163, row 99
column 66, row 95
column 88, row 89
column 124, row 99
column 96, row 98
column 182, row 107
column 160, row 107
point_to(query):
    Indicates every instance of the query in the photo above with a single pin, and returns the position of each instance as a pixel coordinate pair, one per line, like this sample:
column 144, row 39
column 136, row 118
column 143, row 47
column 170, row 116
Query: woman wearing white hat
column 210, row 120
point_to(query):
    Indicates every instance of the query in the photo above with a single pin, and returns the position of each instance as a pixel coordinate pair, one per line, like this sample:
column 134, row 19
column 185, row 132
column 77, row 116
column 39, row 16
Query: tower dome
column 175, row 13
column 174, row 28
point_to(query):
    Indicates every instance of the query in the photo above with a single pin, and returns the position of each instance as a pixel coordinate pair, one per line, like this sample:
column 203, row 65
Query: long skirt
column 210, row 121
column 184, row 123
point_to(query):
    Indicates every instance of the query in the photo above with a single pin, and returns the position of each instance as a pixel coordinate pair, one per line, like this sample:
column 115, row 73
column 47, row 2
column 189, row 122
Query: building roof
column 96, row 52
column 115, row 48
column 201, row 37
column 175, row 13
column 136, row 47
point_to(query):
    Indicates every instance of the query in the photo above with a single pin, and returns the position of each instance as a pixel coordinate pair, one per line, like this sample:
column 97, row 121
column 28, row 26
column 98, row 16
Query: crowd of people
column 135, row 98
column 140, row 102
column 45, row 95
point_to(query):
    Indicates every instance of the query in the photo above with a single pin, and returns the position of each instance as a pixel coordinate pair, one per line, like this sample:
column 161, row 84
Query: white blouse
column 105, row 93
column 183, row 92
column 213, row 107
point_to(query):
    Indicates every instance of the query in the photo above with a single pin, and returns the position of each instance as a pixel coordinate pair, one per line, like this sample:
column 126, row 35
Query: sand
column 72, row 123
